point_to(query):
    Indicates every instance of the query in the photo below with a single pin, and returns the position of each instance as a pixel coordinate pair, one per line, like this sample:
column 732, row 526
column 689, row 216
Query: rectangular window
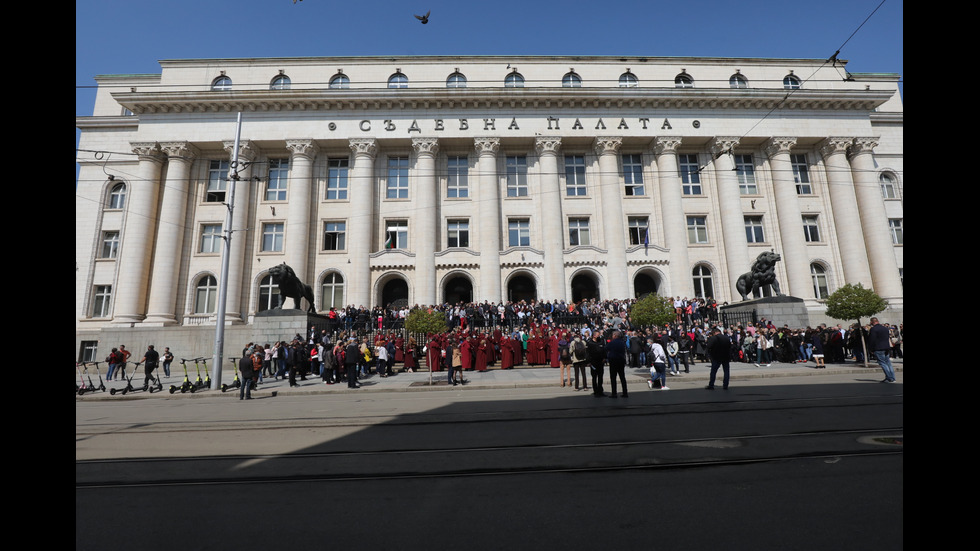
column 217, row 182
column 697, row 229
column 811, row 232
column 396, row 234
column 578, row 232
column 275, row 189
column 895, row 227
column 633, row 174
column 516, row 176
column 334, row 234
column 87, row 351
column 745, row 172
column 102, row 301
column 459, row 233
column 690, row 174
column 272, row 237
column 337, row 172
column 110, row 244
column 211, row 238
column 457, row 186
column 519, row 233
column 801, row 174
column 397, row 178
column 638, row 227
column 753, row 230
column 575, row 175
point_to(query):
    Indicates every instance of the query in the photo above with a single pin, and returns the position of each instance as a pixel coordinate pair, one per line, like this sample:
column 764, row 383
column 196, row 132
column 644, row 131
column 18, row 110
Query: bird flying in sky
column 424, row 18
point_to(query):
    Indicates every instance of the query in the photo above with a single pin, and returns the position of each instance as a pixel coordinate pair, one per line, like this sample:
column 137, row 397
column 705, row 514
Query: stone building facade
column 437, row 179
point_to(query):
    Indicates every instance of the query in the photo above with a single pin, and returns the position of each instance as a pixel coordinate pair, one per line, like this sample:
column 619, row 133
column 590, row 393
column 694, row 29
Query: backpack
column 580, row 351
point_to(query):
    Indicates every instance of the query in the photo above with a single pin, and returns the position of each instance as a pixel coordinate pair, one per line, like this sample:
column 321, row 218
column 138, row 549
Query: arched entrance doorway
column 644, row 284
column 395, row 293
column 458, row 289
column 521, row 287
column 584, row 286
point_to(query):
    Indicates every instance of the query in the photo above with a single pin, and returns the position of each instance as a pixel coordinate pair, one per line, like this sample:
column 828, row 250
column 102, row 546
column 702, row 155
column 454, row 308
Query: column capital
column 425, row 146
column 864, row 145
column 247, row 150
column 486, row 146
column 147, row 151
column 305, row 147
column 605, row 145
column 834, row 145
column 180, row 150
column 364, row 146
column 778, row 144
column 666, row 144
column 722, row 144
column 547, row 144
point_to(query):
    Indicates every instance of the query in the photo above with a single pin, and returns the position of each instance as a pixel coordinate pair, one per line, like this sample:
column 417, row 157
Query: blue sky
column 123, row 37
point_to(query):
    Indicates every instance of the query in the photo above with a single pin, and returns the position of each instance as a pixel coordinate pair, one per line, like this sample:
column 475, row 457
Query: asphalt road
column 784, row 463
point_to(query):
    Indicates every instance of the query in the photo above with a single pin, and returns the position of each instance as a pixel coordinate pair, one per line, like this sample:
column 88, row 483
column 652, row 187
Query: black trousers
column 617, row 368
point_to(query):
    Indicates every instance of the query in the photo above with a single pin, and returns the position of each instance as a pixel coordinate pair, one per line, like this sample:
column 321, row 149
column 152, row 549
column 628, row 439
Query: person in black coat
column 597, row 359
column 616, row 355
column 719, row 352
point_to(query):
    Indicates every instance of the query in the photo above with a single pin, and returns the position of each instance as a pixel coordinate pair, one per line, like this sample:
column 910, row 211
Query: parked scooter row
column 187, row 385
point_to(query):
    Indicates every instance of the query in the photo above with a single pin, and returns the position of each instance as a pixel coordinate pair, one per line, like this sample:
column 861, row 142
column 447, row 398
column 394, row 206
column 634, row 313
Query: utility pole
column 219, row 333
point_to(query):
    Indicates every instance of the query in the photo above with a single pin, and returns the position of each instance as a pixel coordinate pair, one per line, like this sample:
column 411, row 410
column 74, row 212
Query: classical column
column 133, row 267
column 611, row 191
column 672, row 214
column 361, row 222
column 551, row 222
column 736, row 248
column 300, row 206
column 790, row 219
column 874, row 220
column 847, row 220
column 489, row 215
column 426, row 220
column 162, row 308
column 247, row 151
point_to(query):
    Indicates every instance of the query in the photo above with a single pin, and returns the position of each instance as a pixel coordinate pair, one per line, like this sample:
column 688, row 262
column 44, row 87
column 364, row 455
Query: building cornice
column 368, row 99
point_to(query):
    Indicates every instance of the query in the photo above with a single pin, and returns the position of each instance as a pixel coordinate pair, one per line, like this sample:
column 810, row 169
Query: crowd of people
column 571, row 337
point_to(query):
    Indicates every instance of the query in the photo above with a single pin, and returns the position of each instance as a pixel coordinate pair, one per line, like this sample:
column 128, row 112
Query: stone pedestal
column 784, row 310
column 282, row 325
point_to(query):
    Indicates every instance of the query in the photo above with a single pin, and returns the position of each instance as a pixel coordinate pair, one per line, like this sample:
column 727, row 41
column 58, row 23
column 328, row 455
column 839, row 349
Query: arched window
column 339, row 80
column 889, row 189
column 398, row 80
column 221, row 84
column 571, row 80
column 790, row 82
column 702, row 281
column 281, row 82
column 738, row 81
column 683, row 80
column 456, row 80
column 818, row 274
column 514, row 80
column 628, row 80
column 117, row 197
column 268, row 293
column 206, row 294
column 332, row 291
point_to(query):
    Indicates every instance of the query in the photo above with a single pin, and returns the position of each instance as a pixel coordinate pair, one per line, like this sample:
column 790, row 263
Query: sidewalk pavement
column 520, row 377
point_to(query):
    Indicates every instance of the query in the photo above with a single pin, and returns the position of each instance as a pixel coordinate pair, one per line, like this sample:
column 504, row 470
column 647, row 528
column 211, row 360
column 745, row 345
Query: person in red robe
column 553, row 353
column 540, row 350
column 467, row 353
column 410, row 364
column 399, row 350
column 518, row 345
column 434, row 354
column 506, row 353
column 481, row 355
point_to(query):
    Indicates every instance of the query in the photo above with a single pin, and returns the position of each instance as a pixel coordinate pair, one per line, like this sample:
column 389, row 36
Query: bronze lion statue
column 763, row 273
column 291, row 287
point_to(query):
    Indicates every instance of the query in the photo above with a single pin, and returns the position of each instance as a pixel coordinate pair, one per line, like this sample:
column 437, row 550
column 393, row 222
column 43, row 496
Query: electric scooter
column 91, row 386
column 199, row 384
column 237, row 383
column 129, row 382
column 187, row 385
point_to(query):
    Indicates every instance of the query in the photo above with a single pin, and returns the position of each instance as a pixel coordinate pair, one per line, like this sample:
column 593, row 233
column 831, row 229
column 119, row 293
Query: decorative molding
column 547, row 144
column 607, row 145
column 777, row 145
column 147, row 151
column 425, row 146
column 180, row 151
column 452, row 250
column 247, row 150
column 833, row 145
column 303, row 148
column 666, row 144
column 364, row 146
column 863, row 145
column 721, row 145
column 486, row 146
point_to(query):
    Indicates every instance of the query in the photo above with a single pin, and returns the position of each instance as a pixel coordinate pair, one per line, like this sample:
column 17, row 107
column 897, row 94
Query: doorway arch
column 645, row 283
column 585, row 286
column 522, row 286
column 394, row 292
column 458, row 288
